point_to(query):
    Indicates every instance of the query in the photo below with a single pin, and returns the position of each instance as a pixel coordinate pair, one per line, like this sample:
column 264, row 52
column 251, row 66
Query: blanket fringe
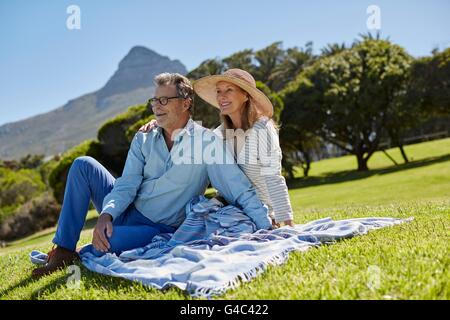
column 209, row 292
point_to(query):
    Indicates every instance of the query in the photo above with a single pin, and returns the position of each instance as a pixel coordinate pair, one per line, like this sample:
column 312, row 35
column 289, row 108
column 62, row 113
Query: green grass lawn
column 411, row 260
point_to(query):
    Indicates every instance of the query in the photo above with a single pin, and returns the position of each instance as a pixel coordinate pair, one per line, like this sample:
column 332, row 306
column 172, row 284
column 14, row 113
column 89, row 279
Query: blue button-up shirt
column 161, row 182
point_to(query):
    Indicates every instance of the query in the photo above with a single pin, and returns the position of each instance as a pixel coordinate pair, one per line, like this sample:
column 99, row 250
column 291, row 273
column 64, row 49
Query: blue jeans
column 89, row 180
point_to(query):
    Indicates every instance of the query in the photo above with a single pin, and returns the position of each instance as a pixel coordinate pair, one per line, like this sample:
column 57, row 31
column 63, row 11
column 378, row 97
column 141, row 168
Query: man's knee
column 82, row 163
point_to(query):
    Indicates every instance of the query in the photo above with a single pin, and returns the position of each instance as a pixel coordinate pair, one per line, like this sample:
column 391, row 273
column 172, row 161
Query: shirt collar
column 188, row 129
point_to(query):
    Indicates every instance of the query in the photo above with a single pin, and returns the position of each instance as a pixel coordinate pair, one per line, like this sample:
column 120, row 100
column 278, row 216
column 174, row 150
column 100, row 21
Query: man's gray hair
column 183, row 84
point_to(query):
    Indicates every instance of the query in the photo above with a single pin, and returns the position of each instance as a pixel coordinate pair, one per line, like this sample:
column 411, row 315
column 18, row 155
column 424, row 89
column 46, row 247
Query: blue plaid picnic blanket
column 218, row 247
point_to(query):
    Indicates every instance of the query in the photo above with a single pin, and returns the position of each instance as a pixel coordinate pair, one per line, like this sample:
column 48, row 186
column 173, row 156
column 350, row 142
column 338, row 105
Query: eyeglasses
column 162, row 101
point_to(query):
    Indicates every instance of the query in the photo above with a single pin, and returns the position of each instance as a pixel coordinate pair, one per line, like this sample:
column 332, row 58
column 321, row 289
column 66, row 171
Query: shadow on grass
column 93, row 280
column 58, row 282
column 22, row 283
column 351, row 175
column 90, row 280
column 50, row 287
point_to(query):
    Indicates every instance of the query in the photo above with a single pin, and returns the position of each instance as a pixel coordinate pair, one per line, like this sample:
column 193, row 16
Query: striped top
column 259, row 157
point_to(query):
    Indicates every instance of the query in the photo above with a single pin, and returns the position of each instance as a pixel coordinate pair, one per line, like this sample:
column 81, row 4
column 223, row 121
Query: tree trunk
column 362, row 162
column 307, row 165
column 288, row 168
column 402, row 151
column 395, row 136
column 387, row 155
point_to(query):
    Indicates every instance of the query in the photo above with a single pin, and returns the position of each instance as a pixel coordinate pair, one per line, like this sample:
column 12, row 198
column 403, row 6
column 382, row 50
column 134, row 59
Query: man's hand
column 103, row 228
column 149, row 126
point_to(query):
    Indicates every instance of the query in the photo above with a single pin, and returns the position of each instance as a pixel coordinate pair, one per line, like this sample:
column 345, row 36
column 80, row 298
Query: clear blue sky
column 43, row 64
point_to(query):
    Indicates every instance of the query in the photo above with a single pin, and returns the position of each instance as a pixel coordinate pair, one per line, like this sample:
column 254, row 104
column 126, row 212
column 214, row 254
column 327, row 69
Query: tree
column 267, row 60
column 298, row 137
column 428, row 96
column 298, row 144
column 430, row 83
column 349, row 95
column 207, row 68
column 202, row 111
column 241, row 60
column 294, row 62
column 332, row 49
column 276, row 100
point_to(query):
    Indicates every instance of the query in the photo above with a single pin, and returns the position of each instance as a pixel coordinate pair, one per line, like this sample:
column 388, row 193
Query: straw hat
column 206, row 89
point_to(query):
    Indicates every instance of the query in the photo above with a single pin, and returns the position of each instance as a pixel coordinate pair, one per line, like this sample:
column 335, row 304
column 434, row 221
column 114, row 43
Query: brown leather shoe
column 58, row 258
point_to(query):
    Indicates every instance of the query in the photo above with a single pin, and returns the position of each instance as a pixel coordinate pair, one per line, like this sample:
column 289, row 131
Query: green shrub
column 18, row 187
column 28, row 162
column 58, row 176
column 122, row 122
column 36, row 214
column 47, row 167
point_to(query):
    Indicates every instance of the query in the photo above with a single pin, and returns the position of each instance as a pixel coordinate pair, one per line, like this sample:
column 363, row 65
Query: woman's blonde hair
column 249, row 116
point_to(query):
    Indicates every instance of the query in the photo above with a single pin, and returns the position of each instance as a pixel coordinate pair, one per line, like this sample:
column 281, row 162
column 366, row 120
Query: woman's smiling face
column 230, row 98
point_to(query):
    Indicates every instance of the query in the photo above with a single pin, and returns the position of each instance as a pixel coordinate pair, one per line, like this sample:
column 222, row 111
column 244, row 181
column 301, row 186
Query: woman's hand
column 149, row 126
column 277, row 225
column 289, row 223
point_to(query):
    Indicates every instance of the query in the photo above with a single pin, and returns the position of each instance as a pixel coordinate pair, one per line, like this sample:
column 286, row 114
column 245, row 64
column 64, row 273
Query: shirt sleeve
column 234, row 186
column 126, row 187
column 270, row 155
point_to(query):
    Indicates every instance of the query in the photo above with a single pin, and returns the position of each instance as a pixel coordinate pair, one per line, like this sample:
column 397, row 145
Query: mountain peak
column 140, row 49
column 139, row 55
column 137, row 70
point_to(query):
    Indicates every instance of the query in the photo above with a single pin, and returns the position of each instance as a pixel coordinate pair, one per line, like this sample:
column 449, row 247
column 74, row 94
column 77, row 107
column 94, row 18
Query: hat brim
column 206, row 88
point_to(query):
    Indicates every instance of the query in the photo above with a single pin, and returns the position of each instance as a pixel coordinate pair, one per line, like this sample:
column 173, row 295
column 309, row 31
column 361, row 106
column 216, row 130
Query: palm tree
column 332, row 49
column 369, row 36
column 207, row 68
column 267, row 60
column 295, row 60
column 242, row 60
